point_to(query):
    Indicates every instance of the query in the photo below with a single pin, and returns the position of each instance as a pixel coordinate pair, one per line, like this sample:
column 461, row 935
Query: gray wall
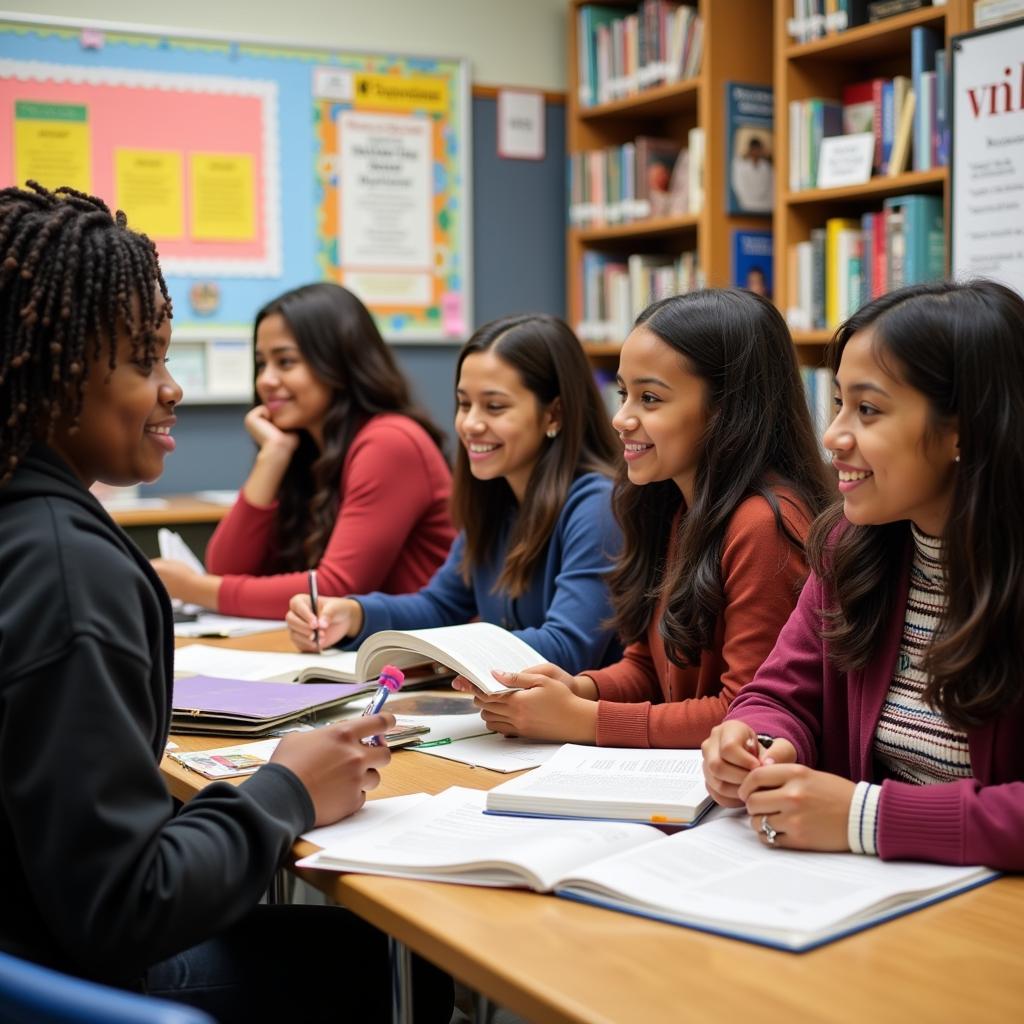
column 518, row 266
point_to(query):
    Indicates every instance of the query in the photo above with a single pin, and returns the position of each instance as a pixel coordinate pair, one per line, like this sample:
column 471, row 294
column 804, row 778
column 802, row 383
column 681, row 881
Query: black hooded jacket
column 98, row 875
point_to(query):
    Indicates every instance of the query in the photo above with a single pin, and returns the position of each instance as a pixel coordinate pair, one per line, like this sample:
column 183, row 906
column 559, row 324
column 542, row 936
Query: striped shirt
column 913, row 742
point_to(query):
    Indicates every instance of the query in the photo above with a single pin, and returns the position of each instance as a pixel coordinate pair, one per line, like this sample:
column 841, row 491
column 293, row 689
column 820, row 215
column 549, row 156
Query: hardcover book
column 750, row 149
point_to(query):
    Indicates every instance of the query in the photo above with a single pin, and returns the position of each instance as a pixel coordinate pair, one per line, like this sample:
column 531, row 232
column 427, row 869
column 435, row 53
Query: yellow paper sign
column 223, row 197
column 52, row 144
column 150, row 190
column 395, row 92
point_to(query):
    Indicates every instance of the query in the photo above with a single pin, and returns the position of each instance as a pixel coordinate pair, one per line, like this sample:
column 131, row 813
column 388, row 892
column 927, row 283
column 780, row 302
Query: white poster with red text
column 987, row 170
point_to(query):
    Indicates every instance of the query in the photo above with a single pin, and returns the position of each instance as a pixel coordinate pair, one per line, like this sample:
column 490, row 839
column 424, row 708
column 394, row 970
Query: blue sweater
column 561, row 612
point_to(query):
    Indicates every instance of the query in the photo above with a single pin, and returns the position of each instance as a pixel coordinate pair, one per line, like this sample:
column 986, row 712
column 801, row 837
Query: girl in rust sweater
column 720, row 479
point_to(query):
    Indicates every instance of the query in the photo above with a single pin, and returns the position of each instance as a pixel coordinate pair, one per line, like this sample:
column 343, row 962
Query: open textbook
column 664, row 787
column 717, row 877
column 471, row 650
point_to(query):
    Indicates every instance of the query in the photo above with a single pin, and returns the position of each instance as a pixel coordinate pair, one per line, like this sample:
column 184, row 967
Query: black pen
column 314, row 601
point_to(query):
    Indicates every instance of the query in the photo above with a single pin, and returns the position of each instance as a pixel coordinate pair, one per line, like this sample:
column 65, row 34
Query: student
column 102, row 878
column 349, row 479
column 531, row 498
column 720, row 479
column 893, row 700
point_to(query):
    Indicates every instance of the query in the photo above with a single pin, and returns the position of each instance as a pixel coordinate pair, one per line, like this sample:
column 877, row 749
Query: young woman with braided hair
column 103, row 878
column 349, row 478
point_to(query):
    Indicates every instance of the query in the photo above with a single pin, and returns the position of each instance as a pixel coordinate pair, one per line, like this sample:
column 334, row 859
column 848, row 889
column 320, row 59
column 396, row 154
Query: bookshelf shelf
column 737, row 47
column 877, row 188
column 674, row 98
column 821, row 69
column 638, row 229
column 811, row 338
column 879, row 39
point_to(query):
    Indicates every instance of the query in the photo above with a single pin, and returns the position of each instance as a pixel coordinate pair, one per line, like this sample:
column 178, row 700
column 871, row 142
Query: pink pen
column 390, row 681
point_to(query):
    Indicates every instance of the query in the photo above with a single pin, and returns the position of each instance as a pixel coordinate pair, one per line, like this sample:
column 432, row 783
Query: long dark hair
column 71, row 275
column 961, row 344
column 758, row 436
column 340, row 341
column 551, row 364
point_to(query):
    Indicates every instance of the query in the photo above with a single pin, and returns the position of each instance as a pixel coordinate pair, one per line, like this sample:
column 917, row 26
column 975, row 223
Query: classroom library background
column 806, row 149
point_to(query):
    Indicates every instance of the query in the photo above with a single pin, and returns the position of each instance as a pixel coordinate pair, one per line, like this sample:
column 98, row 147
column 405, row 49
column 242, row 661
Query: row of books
column 819, row 388
column 649, row 177
column 620, row 53
column 814, row 19
column 849, row 262
column 617, row 289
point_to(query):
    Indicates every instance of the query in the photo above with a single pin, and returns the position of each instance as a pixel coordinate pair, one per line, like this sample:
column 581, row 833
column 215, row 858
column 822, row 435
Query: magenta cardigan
column 831, row 717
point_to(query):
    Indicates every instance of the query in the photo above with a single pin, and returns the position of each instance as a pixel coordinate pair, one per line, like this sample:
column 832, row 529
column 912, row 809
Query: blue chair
column 30, row 994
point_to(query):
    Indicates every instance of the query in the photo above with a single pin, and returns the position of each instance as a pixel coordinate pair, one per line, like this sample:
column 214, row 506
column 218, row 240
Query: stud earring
column 553, row 433
column 957, row 459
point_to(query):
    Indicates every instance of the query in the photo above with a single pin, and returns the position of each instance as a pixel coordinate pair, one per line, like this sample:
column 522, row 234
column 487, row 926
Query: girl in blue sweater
column 531, row 499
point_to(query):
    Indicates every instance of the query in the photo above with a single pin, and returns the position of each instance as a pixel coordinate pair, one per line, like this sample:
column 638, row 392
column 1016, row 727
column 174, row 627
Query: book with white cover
column 717, row 877
column 664, row 787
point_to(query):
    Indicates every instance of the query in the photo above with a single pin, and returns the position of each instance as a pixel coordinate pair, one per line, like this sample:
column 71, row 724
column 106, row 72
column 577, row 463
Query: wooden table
column 551, row 960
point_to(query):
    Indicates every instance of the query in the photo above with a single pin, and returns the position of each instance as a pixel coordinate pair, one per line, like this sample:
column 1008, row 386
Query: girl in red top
column 350, row 477
column 720, row 479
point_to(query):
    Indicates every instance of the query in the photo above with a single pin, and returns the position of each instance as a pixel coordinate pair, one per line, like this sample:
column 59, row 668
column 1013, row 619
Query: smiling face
column 285, row 383
column 663, row 414
column 500, row 421
column 127, row 414
column 894, row 462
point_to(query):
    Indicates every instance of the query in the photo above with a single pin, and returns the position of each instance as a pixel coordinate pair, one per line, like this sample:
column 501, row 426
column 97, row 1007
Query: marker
column 390, row 681
column 313, row 602
column 434, row 743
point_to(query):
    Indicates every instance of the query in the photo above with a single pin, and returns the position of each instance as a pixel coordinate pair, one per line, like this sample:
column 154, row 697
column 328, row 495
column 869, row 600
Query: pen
column 390, row 680
column 314, row 600
column 434, row 743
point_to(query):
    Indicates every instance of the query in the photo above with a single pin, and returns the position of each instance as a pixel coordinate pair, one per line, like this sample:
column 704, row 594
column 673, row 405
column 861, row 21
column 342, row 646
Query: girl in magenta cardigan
column 888, row 719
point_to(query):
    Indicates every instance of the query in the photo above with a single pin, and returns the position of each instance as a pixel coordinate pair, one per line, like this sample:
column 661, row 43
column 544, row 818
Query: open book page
column 494, row 751
column 371, row 815
column 205, row 659
column 472, row 649
column 666, row 786
column 449, row 838
column 721, row 877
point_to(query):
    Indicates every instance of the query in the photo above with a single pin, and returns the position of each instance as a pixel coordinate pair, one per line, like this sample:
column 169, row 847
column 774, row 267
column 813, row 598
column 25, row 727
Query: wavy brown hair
column 71, row 275
column 551, row 364
column 758, row 437
column 961, row 344
column 340, row 341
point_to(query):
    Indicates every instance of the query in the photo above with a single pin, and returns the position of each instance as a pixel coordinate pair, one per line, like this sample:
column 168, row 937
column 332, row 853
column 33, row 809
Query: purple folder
column 246, row 700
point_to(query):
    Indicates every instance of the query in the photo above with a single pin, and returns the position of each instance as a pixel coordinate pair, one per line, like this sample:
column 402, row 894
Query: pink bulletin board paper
column 161, row 112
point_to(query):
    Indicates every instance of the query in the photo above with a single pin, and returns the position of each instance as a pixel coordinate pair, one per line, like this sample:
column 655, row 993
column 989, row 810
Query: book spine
column 881, row 9
column 877, row 89
column 817, row 314
column 924, row 43
column 888, row 124
column 879, row 265
column 867, row 263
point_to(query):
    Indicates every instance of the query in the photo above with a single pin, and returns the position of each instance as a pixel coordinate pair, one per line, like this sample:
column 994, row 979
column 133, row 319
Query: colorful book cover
column 925, row 42
column 752, row 261
column 751, row 151
column 655, row 160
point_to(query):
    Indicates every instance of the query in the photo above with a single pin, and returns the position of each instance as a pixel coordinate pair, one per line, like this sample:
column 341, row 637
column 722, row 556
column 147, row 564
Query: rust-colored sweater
column 645, row 700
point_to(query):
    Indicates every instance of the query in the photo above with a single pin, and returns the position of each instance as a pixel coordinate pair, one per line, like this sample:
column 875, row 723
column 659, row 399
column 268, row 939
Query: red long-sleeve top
column 645, row 700
column 392, row 532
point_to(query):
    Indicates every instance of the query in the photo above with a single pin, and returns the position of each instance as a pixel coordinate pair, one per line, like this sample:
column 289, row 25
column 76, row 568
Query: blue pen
column 390, row 681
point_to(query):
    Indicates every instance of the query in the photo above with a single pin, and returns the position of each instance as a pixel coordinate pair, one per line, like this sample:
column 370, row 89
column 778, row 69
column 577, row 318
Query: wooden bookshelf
column 822, row 67
column 737, row 47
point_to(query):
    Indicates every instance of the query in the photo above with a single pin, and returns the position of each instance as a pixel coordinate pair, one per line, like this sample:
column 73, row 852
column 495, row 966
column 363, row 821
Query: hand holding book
column 543, row 702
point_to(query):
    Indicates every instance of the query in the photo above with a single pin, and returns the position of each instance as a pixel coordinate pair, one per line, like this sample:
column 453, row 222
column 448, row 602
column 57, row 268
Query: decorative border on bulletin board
column 418, row 292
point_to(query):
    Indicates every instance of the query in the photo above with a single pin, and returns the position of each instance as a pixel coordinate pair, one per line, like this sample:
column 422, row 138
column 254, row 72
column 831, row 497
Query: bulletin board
column 255, row 167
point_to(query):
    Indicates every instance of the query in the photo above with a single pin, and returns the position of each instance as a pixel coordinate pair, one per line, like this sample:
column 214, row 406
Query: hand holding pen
column 314, row 602
column 390, row 682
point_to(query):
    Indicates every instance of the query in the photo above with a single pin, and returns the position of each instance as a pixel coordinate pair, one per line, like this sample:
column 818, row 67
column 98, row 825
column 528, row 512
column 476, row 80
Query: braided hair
column 71, row 275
